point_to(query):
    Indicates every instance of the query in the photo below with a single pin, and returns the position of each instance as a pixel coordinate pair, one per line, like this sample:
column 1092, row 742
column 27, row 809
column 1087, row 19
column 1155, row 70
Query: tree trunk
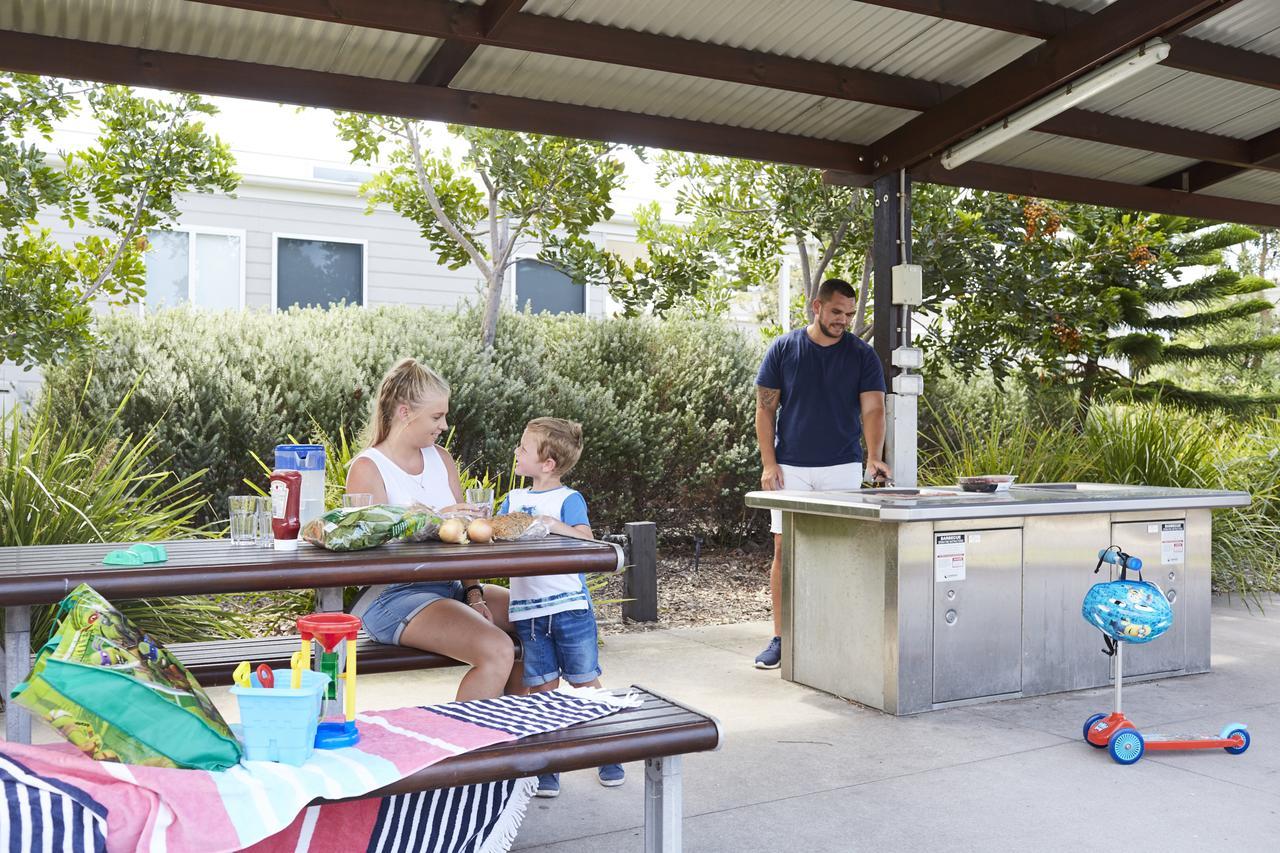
column 497, row 278
column 1088, row 389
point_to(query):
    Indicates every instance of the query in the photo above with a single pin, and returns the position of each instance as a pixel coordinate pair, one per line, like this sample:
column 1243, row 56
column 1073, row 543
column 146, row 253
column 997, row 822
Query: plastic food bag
column 430, row 530
column 514, row 526
column 366, row 527
column 118, row 695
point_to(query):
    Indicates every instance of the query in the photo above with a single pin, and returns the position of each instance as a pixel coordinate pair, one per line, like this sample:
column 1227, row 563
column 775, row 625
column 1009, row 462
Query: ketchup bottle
column 286, row 497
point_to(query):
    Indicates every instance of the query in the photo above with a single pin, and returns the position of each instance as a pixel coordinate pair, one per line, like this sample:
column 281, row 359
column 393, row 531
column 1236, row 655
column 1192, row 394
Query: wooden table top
column 44, row 574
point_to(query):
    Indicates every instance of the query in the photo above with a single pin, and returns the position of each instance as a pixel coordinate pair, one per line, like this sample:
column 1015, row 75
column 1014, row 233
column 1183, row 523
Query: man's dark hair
column 833, row 286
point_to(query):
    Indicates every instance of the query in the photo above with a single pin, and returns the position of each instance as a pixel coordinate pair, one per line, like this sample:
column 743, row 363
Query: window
column 200, row 266
column 318, row 271
column 545, row 288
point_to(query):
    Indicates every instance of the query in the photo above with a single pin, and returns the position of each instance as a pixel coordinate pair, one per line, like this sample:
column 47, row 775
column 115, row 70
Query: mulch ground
column 718, row 587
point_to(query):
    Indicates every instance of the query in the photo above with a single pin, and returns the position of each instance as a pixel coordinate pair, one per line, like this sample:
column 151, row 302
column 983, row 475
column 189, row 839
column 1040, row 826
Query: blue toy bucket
column 279, row 723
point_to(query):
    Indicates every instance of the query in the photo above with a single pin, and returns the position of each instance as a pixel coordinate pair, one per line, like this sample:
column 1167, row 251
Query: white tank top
column 430, row 488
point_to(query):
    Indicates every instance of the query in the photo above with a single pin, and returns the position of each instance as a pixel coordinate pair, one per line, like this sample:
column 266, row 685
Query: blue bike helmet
column 1128, row 611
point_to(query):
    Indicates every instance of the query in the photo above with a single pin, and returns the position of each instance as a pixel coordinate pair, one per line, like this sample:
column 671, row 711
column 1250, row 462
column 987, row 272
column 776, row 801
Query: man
column 819, row 391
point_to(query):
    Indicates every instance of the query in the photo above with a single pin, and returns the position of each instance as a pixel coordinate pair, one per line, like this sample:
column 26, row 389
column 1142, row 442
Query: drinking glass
column 262, row 532
column 353, row 500
column 243, row 511
column 482, row 499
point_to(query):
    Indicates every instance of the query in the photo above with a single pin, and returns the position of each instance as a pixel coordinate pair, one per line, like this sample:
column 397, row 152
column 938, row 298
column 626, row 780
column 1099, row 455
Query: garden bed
column 722, row 587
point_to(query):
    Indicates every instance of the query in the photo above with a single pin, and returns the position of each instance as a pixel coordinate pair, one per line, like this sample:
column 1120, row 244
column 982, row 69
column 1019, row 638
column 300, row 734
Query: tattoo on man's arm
column 767, row 398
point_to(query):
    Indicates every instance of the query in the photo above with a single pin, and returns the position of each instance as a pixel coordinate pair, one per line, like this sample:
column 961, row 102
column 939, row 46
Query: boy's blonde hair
column 558, row 439
column 408, row 382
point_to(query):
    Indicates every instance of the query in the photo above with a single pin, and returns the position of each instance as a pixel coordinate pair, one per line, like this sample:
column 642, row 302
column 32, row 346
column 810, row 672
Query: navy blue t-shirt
column 820, row 413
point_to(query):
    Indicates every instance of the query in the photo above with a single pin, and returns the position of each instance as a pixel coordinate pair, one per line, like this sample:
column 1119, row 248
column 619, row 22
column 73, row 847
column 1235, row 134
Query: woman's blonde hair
column 408, row 383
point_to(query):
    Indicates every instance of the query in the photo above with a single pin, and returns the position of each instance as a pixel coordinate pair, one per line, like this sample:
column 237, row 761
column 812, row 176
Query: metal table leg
column 17, row 661
column 663, row 805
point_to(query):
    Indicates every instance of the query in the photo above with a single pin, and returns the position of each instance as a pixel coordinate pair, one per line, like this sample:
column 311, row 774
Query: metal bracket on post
column 663, row 805
column 17, row 660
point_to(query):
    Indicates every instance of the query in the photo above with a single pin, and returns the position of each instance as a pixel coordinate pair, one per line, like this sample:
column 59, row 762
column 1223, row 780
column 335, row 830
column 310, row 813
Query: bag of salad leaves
column 358, row 528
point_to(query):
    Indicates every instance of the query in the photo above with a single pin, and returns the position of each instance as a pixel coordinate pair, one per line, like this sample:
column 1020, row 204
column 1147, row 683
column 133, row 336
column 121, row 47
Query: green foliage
column 71, row 477
column 1058, row 291
column 745, row 213
column 1143, row 443
column 510, row 189
column 148, row 151
column 666, row 407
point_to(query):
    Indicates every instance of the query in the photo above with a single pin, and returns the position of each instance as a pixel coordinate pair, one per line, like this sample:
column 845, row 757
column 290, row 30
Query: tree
column 507, row 191
column 746, row 213
column 1071, row 294
column 148, row 151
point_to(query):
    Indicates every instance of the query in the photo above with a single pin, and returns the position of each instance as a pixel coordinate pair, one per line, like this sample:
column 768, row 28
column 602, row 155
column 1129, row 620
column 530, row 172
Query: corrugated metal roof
column 1253, row 25
column 1194, row 102
column 1067, row 156
column 575, row 81
column 1046, row 152
column 224, row 33
column 836, row 31
column 841, row 32
column 1250, row 186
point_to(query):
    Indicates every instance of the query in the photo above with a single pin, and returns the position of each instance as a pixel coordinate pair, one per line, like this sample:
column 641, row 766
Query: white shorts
column 824, row 479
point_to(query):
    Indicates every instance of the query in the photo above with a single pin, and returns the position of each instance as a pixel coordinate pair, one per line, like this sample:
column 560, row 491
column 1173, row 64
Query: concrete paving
column 804, row 771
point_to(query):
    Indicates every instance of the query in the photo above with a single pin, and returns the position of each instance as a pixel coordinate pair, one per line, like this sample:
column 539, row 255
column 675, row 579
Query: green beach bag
column 118, row 695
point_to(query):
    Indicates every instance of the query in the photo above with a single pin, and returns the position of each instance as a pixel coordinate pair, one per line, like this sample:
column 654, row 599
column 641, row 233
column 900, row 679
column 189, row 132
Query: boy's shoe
column 770, row 658
column 548, row 786
column 611, row 775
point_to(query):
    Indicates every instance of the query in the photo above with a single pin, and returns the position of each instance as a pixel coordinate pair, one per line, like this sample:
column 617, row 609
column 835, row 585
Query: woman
column 403, row 465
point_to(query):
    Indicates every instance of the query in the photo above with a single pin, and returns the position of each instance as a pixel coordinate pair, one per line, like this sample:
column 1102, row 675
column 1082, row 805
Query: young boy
column 552, row 613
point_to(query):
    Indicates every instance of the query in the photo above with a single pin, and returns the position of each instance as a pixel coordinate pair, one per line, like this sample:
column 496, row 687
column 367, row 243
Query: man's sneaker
column 548, row 786
column 611, row 775
column 770, row 658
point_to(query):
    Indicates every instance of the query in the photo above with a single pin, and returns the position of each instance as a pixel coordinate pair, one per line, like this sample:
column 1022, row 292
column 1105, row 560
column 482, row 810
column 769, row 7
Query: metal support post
column 663, row 805
column 891, row 323
column 17, row 661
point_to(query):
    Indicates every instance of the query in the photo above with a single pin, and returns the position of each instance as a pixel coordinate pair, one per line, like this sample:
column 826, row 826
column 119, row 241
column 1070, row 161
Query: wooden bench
column 659, row 733
column 213, row 662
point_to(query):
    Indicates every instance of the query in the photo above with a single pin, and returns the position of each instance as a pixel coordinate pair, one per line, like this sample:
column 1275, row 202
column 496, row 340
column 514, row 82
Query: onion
column 480, row 530
column 453, row 530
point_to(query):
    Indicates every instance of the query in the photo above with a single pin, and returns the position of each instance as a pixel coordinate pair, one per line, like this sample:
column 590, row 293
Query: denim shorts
column 562, row 645
column 386, row 618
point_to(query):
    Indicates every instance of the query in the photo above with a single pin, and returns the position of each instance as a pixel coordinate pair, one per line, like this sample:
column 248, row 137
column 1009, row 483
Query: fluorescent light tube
column 1075, row 92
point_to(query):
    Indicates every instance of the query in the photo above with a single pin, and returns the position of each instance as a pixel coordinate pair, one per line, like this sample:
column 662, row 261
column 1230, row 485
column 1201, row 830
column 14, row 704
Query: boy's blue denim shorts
column 562, row 645
column 391, row 612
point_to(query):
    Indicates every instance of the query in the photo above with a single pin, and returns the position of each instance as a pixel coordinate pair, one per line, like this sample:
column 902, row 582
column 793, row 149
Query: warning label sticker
column 948, row 557
column 1173, row 543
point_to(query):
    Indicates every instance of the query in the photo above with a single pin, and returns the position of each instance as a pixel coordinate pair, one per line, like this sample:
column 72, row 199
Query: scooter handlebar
column 1120, row 558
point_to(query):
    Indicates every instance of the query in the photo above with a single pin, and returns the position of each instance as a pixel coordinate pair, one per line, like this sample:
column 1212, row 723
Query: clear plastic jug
column 309, row 461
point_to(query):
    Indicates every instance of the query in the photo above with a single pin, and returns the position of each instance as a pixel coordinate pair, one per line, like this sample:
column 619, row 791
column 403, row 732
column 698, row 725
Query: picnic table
column 43, row 574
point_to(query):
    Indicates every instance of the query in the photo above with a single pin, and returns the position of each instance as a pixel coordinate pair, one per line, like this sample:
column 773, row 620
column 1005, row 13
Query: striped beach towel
column 266, row 804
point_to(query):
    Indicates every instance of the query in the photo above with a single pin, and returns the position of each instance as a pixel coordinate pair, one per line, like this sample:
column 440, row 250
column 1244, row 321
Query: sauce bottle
column 286, row 498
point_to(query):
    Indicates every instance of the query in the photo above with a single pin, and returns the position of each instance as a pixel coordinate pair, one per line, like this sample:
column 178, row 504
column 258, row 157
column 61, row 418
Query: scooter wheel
column 1126, row 746
column 1090, row 723
column 1236, row 750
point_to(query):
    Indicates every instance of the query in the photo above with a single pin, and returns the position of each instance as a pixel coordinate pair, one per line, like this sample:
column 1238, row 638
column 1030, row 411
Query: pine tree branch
column 1167, row 392
column 1208, row 319
column 1185, row 354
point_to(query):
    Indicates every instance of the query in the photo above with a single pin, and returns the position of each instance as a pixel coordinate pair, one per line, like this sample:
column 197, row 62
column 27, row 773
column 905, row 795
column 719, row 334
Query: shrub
column 74, row 480
column 666, row 407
